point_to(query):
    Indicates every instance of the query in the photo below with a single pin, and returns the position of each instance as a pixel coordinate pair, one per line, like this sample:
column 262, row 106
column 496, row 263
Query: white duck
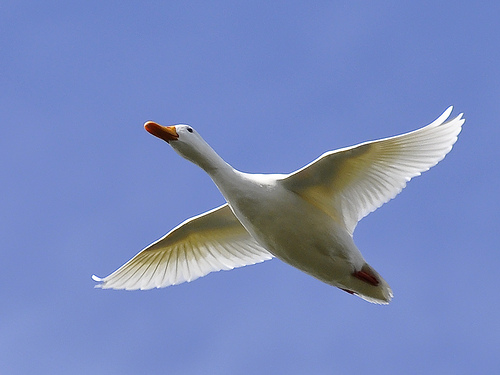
column 306, row 218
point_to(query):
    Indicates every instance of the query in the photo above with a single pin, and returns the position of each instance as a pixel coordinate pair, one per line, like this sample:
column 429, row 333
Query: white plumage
column 306, row 218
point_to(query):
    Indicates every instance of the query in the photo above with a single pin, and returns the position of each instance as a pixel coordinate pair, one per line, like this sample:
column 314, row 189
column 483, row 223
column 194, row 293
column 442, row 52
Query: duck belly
column 301, row 235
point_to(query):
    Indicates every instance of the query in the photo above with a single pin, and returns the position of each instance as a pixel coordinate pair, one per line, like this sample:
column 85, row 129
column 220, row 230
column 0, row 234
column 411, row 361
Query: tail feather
column 369, row 285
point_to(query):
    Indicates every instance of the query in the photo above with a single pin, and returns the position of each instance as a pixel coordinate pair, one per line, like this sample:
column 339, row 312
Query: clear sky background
column 271, row 86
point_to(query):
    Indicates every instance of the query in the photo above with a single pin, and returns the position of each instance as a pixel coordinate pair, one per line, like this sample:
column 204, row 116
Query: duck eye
column 190, row 130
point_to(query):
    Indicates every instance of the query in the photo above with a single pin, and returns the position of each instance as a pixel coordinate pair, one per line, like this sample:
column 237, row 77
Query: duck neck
column 230, row 182
column 207, row 159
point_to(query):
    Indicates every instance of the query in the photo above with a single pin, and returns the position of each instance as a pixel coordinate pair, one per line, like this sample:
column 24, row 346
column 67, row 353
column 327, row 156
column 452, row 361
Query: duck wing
column 209, row 242
column 351, row 182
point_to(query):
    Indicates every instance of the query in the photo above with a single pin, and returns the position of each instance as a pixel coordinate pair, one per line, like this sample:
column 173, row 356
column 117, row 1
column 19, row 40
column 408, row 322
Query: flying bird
column 306, row 218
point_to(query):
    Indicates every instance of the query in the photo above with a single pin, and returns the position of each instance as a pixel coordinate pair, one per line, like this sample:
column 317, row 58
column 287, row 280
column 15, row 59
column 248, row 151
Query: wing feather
column 209, row 242
column 351, row 182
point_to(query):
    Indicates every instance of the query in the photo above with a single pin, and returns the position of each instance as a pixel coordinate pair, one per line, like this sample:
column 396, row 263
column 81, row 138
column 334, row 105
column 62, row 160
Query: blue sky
column 271, row 86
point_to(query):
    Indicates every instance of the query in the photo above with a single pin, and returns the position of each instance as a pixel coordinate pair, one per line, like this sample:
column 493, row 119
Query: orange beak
column 167, row 133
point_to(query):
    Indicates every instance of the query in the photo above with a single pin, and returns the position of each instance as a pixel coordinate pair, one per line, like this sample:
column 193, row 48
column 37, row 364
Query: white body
column 282, row 222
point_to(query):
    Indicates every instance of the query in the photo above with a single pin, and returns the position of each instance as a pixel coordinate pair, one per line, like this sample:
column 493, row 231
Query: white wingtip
column 441, row 119
column 99, row 280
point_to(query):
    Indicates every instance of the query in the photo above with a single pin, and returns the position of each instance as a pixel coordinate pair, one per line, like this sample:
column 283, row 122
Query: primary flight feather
column 306, row 218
